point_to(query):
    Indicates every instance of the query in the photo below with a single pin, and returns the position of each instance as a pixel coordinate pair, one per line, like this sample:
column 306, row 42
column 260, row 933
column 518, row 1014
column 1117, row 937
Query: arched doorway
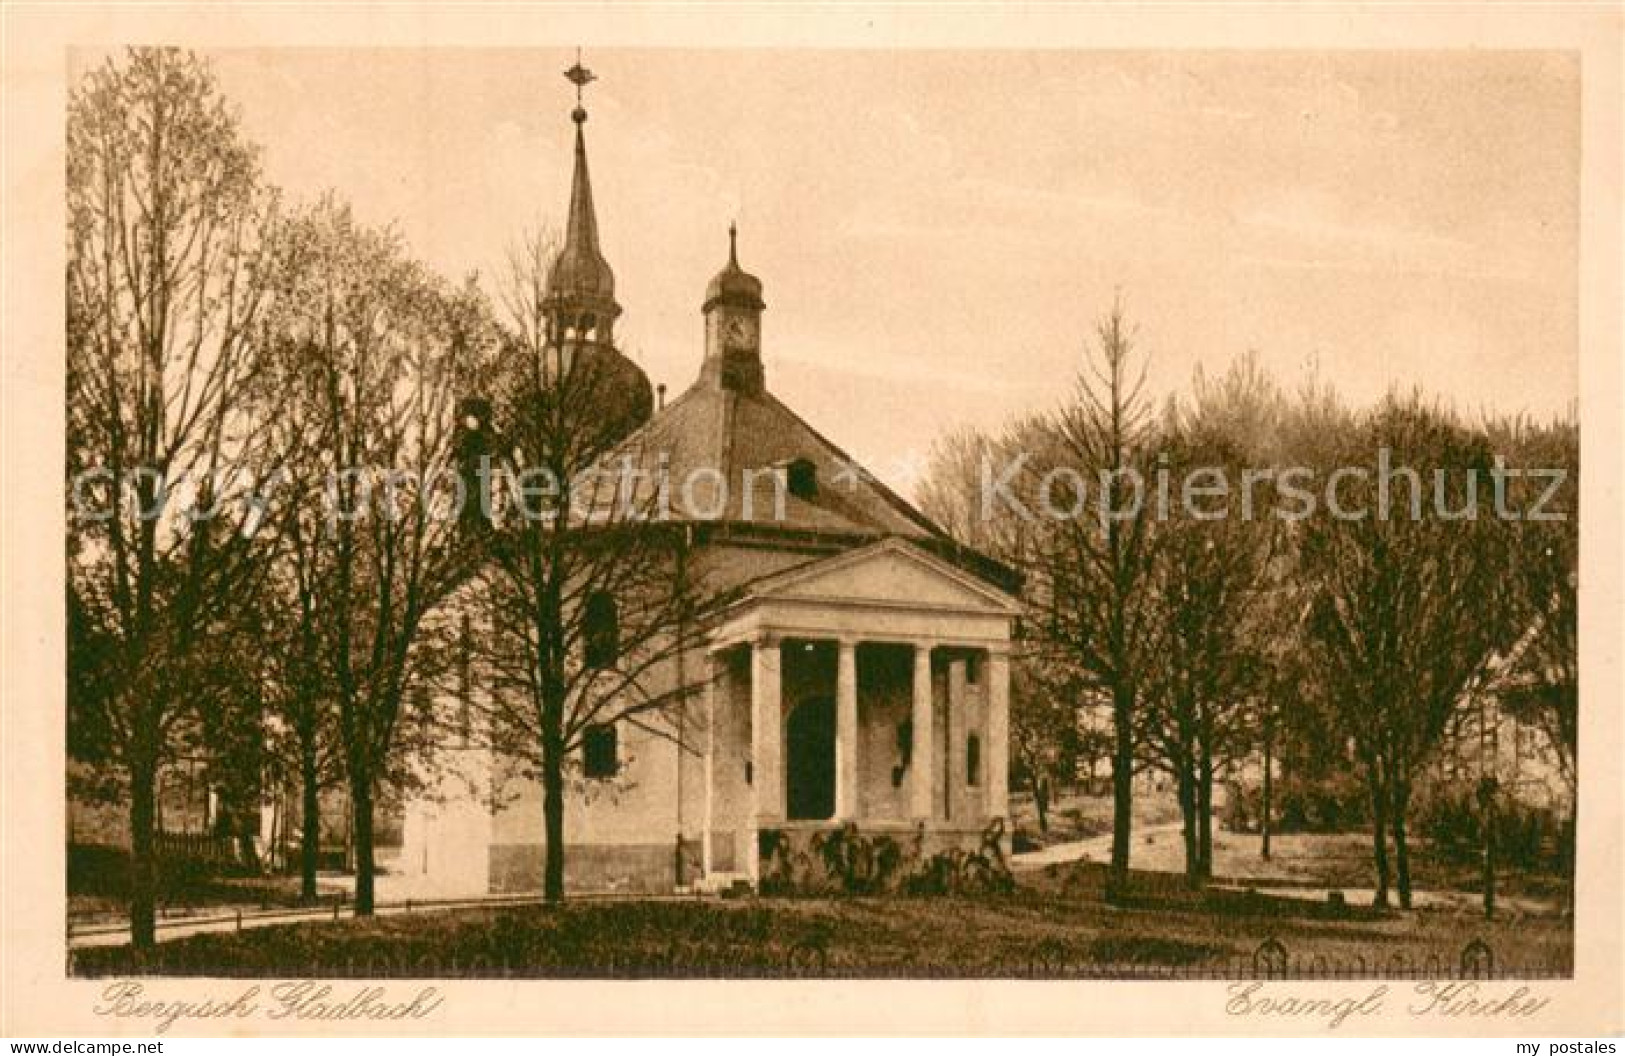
column 810, row 775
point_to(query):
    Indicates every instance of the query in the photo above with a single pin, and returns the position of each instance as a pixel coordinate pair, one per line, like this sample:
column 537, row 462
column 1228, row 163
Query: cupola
column 733, row 326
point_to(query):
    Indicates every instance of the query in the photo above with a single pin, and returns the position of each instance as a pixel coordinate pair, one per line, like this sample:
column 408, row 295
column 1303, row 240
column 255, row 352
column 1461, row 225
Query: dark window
column 973, row 760
column 803, row 479
column 465, row 682
column 599, row 752
column 973, row 669
column 601, row 630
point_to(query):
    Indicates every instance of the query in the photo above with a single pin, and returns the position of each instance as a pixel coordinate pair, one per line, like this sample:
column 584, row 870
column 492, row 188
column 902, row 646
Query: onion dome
column 733, row 285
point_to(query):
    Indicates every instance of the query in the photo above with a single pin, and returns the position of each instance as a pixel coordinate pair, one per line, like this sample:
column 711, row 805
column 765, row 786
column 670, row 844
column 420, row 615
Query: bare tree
column 1408, row 612
column 947, row 492
column 587, row 593
column 165, row 219
column 1212, row 585
column 1090, row 568
column 375, row 350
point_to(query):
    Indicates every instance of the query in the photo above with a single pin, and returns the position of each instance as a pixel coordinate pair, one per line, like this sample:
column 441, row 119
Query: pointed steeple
column 581, row 236
column 580, row 299
column 579, row 302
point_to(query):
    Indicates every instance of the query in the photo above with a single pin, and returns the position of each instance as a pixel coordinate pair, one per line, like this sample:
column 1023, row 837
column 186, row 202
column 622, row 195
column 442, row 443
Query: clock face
column 739, row 332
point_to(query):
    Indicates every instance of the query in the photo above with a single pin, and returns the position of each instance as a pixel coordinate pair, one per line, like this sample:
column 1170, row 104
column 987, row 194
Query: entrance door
column 810, row 776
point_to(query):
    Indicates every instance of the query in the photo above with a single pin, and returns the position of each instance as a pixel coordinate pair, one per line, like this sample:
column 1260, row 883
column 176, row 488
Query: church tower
column 733, row 326
column 579, row 302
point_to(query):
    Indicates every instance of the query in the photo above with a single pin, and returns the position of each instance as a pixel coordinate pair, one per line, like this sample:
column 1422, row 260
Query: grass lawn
column 1298, row 859
column 1338, row 860
column 1055, row 925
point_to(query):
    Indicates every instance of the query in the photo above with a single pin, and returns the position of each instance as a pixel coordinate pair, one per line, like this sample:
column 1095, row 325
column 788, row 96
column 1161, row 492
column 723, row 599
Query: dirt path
column 1098, row 848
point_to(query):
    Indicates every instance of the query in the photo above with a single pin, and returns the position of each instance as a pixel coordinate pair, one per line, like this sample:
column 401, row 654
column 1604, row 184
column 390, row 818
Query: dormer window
column 801, row 477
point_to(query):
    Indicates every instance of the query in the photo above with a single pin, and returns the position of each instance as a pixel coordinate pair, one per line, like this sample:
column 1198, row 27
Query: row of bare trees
column 1186, row 575
column 284, row 438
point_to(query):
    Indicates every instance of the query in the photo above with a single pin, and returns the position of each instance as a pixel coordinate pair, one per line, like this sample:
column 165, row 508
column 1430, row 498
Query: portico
column 872, row 688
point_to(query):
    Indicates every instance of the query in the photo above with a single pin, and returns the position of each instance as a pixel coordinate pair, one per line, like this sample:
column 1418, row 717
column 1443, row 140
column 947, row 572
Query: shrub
column 1526, row 836
column 1331, row 804
column 847, row 861
column 860, row 865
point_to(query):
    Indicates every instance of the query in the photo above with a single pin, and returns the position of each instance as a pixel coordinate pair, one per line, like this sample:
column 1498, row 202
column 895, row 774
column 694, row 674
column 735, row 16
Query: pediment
column 893, row 574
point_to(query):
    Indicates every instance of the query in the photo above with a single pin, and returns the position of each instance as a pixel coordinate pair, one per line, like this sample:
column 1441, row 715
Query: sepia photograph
column 552, row 513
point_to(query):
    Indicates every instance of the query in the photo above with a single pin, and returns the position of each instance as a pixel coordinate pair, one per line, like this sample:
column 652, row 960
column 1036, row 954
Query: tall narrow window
column 802, row 479
column 600, row 752
column 973, row 760
column 465, row 681
column 600, row 630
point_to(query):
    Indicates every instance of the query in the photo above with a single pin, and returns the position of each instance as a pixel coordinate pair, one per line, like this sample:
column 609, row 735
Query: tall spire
column 581, row 235
column 580, row 285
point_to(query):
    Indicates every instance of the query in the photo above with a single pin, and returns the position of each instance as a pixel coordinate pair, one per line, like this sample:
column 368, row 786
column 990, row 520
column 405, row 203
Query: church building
column 859, row 675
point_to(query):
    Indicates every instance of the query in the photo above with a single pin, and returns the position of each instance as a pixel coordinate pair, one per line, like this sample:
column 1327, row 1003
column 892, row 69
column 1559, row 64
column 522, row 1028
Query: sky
column 937, row 232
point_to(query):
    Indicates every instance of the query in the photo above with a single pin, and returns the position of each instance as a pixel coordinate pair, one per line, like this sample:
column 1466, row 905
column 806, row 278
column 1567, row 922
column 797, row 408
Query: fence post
column 239, row 919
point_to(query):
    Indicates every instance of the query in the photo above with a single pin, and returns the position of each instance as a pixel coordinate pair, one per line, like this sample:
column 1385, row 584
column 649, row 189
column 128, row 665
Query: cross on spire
column 579, row 76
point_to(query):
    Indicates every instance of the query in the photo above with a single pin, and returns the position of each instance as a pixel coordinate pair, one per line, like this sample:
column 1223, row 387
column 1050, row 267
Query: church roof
column 720, row 449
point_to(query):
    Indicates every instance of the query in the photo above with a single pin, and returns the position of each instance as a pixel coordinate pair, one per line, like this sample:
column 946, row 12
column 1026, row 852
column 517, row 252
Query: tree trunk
column 1187, row 815
column 1122, row 793
column 1041, row 801
column 1569, row 835
column 1204, row 817
column 553, row 819
column 310, row 834
column 143, row 852
column 1402, row 850
column 1379, row 836
column 365, row 864
column 1264, row 808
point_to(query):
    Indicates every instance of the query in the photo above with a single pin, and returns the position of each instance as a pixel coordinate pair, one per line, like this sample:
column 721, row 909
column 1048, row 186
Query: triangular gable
column 891, row 572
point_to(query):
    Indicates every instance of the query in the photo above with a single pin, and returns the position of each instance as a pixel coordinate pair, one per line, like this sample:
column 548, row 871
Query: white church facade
column 858, row 677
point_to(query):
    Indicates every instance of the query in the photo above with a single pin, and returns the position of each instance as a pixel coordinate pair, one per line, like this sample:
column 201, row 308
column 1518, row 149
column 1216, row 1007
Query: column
column 920, row 755
column 766, row 738
column 846, row 732
column 955, row 723
column 710, row 763
column 997, row 749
